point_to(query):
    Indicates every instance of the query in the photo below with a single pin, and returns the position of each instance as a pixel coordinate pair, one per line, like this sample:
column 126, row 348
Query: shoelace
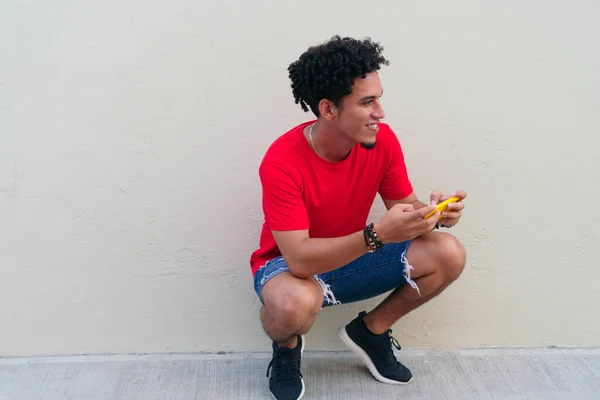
column 281, row 365
column 391, row 341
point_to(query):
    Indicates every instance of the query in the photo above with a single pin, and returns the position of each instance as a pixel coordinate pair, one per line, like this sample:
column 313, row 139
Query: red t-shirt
column 331, row 199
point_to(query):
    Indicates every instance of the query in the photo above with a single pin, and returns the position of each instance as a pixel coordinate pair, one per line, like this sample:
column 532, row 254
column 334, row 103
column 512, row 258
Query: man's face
column 361, row 110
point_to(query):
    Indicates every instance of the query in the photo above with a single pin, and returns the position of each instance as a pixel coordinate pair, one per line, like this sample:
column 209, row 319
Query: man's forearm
column 418, row 204
column 320, row 255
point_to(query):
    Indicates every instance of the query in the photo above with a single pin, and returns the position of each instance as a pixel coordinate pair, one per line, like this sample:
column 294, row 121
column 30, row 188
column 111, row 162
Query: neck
column 330, row 144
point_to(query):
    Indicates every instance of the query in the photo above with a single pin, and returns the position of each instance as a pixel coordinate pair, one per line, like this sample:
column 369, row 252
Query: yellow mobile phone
column 442, row 206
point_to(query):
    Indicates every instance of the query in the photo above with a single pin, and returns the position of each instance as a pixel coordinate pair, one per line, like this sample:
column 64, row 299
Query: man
column 317, row 248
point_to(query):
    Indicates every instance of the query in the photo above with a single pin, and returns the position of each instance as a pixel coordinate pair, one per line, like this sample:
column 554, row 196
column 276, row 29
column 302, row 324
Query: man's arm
column 285, row 212
column 411, row 199
column 307, row 256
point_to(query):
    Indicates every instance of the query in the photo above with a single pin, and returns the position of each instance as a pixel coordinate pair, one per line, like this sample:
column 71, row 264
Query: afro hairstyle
column 327, row 71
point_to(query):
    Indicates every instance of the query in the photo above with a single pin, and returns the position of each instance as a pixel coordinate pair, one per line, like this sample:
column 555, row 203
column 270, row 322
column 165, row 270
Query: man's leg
column 438, row 259
column 290, row 307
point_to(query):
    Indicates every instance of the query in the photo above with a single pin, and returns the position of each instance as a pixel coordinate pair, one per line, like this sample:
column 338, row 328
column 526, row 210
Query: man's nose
column 378, row 112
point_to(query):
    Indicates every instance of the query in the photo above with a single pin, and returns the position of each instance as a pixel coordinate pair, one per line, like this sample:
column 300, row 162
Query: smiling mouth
column 372, row 126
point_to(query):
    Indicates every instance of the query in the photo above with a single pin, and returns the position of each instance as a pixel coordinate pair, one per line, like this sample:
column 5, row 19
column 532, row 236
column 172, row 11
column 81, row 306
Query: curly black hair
column 327, row 71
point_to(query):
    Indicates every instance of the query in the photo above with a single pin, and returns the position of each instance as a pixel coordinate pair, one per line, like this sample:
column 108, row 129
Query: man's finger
column 450, row 215
column 456, row 206
column 432, row 221
column 434, row 197
column 459, row 193
column 422, row 212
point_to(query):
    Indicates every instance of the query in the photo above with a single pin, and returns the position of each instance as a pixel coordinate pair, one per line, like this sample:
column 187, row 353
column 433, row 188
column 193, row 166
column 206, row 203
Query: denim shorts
column 368, row 276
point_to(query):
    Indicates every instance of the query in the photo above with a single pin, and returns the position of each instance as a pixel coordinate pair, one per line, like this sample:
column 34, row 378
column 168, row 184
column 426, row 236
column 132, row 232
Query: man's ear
column 327, row 109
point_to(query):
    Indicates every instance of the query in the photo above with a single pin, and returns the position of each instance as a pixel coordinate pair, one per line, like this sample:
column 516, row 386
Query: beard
column 368, row 146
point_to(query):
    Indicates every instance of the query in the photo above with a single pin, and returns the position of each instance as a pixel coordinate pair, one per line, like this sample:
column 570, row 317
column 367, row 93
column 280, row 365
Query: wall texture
column 131, row 133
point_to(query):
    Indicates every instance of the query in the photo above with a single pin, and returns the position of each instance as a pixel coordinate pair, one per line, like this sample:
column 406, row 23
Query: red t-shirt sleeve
column 395, row 184
column 283, row 204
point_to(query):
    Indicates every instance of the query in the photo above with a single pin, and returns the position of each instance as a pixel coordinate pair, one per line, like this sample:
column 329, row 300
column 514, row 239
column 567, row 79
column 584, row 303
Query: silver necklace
column 312, row 143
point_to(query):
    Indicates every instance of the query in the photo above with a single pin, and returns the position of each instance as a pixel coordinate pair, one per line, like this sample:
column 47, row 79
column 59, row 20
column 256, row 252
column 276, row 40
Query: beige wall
column 131, row 132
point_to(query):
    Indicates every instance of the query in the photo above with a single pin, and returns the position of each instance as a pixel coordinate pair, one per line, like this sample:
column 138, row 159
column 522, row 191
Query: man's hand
column 452, row 215
column 402, row 222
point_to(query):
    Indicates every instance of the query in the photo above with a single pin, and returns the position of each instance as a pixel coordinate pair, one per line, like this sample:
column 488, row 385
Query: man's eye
column 366, row 103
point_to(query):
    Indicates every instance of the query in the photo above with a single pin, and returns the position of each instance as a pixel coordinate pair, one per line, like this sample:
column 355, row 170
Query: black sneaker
column 286, row 381
column 376, row 351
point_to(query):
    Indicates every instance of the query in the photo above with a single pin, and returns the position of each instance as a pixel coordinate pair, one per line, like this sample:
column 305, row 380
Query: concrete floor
column 469, row 374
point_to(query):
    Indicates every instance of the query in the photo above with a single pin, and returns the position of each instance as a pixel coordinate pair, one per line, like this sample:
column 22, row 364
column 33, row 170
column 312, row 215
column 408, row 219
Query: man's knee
column 301, row 300
column 296, row 304
column 452, row 257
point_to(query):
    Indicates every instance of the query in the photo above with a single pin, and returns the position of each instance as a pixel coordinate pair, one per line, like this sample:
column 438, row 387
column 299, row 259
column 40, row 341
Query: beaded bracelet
column 371, row 239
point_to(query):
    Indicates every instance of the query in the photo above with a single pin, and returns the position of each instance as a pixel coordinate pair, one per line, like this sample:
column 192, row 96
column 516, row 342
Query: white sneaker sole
column 301, row 379
column 366, row 359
